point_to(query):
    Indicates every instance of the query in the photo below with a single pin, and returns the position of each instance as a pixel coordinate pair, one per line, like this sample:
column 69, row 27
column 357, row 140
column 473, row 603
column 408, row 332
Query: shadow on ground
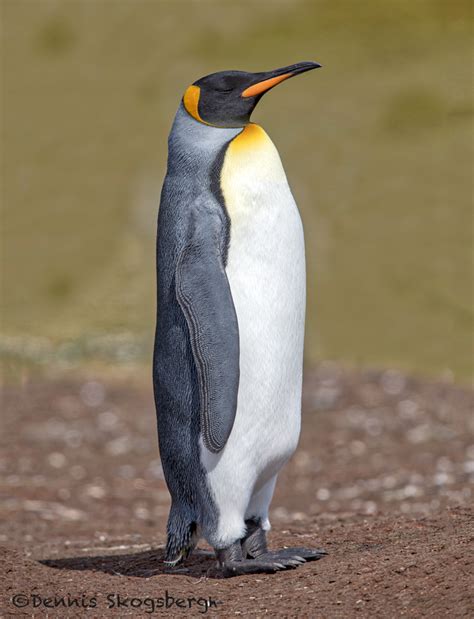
column 140, row 564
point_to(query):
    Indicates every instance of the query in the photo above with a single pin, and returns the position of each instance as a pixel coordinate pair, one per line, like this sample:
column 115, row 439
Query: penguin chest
column 266, row 272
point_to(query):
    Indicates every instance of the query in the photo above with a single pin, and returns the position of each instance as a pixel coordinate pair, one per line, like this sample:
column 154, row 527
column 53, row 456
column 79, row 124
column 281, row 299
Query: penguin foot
column 254, row 546
column 296, row 555
column 254, row 543
column 233, row 562
column 254, row 566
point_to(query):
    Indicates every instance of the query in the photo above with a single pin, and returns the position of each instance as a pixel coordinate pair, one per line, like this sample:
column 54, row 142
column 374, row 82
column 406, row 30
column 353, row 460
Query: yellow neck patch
column 251, row 168
column 252, row 137
column 191, row 102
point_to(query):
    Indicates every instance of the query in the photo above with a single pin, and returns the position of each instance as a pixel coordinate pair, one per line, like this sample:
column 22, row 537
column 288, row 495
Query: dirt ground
column 382, row 480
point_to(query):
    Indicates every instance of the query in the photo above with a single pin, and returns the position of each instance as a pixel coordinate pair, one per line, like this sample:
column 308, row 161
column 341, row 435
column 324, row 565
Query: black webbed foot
column 299, row 555
column 253, row 566
column 237, row 559
column 254, row 543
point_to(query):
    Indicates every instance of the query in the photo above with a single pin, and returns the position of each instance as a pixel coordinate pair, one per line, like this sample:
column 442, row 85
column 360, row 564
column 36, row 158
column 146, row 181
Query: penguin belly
column 266, row 273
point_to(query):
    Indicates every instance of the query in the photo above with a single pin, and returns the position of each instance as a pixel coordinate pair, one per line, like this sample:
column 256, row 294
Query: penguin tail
column 182, row 539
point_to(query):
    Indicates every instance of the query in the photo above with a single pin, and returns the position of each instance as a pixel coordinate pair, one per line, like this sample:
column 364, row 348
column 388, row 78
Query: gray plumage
column 196, row 357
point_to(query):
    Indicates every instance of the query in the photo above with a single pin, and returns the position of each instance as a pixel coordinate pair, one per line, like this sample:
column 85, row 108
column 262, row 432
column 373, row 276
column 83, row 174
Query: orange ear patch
column 191, row 102
column 257, row 89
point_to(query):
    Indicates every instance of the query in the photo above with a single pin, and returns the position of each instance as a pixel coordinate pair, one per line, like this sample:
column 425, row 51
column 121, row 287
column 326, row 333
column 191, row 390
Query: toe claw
column 269, row 562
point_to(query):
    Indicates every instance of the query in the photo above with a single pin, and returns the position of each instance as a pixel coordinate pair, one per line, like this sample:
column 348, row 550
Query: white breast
column 266, row 272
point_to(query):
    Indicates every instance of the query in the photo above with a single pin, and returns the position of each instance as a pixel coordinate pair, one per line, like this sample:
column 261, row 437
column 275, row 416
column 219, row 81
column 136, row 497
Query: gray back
column 191, row 192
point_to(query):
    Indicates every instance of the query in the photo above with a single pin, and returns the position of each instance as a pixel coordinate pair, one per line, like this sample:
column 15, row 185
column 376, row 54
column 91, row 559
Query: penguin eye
column 224, row 89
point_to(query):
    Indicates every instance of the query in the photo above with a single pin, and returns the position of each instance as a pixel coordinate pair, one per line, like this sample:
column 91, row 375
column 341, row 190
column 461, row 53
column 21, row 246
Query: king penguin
column 228, row 354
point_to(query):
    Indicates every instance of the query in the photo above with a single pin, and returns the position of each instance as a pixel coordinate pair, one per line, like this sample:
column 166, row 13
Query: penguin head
column 227, row 98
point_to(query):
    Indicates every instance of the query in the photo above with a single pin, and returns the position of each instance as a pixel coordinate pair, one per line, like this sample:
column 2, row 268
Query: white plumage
column 266, row 273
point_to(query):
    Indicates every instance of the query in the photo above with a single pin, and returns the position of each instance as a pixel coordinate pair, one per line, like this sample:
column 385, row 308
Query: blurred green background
column 377, row 146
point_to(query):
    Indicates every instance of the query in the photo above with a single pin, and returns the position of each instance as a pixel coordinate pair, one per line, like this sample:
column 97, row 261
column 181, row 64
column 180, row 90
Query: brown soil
column 382, row 480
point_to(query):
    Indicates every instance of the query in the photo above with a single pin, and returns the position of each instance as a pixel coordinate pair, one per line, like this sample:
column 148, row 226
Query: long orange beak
column 272, row 78
column 258, row 89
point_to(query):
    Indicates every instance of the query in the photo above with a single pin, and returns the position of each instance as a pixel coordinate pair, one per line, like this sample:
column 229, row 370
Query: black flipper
column 204, row 294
